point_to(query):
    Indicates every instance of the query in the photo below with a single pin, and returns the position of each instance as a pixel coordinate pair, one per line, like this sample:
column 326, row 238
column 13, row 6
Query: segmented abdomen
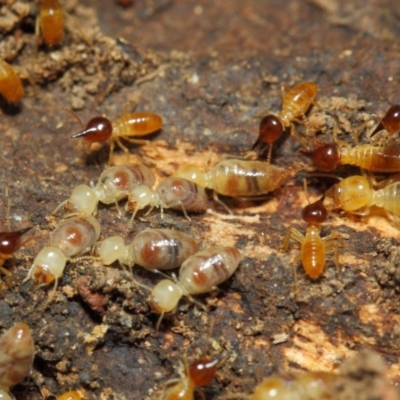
column 137, row 124
column 313, row 256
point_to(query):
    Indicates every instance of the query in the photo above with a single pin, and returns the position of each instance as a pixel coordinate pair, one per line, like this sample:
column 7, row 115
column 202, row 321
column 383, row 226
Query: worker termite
column 16, row 357
column 355, row 194
column 366, row 156
column 128, row 126
column 10, row 83
column 390, row 122
column 71, row 239
column 50, row 22
column 304, row 385
column 10, row 242
column 238, row 178
column 200, row 273
column 199, row 373
column 313, row 247
column 153, row 249
column 176, row 193
column 114, row 184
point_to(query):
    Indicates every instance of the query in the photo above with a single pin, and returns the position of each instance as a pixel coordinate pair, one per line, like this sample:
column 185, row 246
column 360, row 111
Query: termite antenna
column 72, row 114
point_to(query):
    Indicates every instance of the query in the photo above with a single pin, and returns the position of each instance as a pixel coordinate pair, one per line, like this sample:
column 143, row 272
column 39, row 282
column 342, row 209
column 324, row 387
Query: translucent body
column 10, row 242
column 390, row 121
column 10, row 84
column 114, row 184
column 199, row 373
column 238, row 178
column 313, row 247
column 366, row 156
column 176, row 193
column 301, row 386
column 76, row 236
column 356, row 194
column 16, row 356
column 51, row 22
column 200, row 273
column 297, row 101
column 162, row 249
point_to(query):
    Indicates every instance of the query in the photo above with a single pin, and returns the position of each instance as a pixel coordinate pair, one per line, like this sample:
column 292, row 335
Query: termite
column 16, row 357
column 173, row 192
column 153, row 249
column 200, row 273
column 114, row 184
column 10, row 242
column 313, row 247
column 355, row 194
column 71, row 239
column 238, row 178
column 71, row 395
column 128, row 126
column 199, row 373
column 50, row 22
column 304, row 385
column 390, row 122
column 11, row 87
column 366, row 156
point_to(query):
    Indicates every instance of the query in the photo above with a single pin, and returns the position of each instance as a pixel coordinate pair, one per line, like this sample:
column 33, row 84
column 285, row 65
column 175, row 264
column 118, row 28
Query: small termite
column 138, row 124
column 11, row 87
column 313, row 247
column 355, row 194
column 304, row 386
column 199, row 373
column 75, row 236
column 153, row 249
column 238, row 178
column 50, row 22
column 10, row 242
column 71, row 395
column 366, row 156
column 114, row 184
column 173, row 192
column 200, row 273
column 16, row 357
column 390, row 122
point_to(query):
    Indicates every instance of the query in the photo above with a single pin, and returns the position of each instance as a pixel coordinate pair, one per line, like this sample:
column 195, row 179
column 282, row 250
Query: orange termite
column 71, row 395
column 390, row 121
column 10, row 83
column 313, row 247
column 50, row 22
column 128, row 126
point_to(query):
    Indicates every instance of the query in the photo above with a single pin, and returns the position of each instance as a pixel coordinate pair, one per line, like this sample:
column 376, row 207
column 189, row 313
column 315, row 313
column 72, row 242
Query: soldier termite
column 174, row 192
column 390, row 122
column 313, row 247
column 127, row 127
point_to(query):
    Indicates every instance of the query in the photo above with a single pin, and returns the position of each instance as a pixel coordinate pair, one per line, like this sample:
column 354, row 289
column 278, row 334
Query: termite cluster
column 77, row 236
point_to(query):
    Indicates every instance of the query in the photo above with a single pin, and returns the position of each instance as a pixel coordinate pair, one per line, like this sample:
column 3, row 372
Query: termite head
column 48, row 265
column 11, row 241
column 390, row 121
column 325, row 158
column 192, row 173
column 315, row 213
column 83, row 200
column 202, row 371
column 139, row 198
column 165, row 296
column 98, row 129
column 270, row 130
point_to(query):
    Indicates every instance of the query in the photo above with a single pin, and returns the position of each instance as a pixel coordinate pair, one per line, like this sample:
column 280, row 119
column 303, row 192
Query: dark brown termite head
column 202, row 371
column 325, row 158
column 11, row 241
column 270, row 130
column 315, row 213
column 98, row 129
column 390, row 121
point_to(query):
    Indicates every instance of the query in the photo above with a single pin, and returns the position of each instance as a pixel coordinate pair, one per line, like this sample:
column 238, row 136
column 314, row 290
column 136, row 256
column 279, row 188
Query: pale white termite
column 114, row 184
column 200, row 273
column 153, row 249
column 72, row 238
column 16, row 357
column 173, row 192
